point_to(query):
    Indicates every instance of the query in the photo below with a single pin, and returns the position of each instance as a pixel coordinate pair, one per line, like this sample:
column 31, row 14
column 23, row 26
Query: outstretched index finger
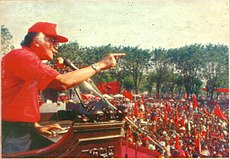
column 118, row 54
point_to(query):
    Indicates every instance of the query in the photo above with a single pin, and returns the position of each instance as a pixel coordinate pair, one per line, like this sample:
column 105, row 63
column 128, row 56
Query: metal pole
column 126, row 137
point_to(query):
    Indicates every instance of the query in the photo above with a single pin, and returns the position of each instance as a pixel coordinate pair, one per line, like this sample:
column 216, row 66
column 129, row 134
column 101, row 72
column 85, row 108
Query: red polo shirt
column 23, row 75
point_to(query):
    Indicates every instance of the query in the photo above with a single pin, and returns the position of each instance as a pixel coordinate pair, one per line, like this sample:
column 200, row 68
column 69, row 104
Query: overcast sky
column 144, row 23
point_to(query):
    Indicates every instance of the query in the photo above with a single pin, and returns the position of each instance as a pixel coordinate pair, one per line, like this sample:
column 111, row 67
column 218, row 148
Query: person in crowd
column 24, row 75
column 163, row 128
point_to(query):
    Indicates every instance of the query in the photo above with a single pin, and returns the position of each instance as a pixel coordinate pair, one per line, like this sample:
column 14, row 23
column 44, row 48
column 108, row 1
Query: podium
column 95, row 132
column 101, row 140
column 82, row 140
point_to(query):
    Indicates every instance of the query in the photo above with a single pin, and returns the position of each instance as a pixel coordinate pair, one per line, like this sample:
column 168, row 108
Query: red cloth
column 182, row 122
column 165, row 114
column 177, row 144
column 135, row 111
column 23, row 75
column 219, row 113
column 109, row 87
column 84, row 97
column 143, row 98
column 182, row 154
column 176, row 120
column 198, row 143
column 128, row 94
column 195, row 102
column 226, row 90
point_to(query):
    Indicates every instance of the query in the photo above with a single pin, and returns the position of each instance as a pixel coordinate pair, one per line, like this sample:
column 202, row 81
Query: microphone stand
column 92, row 87
column 79, row 97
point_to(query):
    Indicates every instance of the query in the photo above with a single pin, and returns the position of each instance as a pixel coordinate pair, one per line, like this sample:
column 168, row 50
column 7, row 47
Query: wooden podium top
column 57, row 134
column 85, row 129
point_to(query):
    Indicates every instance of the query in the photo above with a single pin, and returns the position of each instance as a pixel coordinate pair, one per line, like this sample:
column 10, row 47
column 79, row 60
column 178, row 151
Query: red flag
column 182, row 122
column 219, row 113
column 177, row 144
column 109, row 87
column 128, row 94
column 143, row 98
column 176, row 120
column 165, row 114
column 195, row 102
column 197, row 142
column 226, row 90
column 135, row 110
column 204, row 89
column 84, row 97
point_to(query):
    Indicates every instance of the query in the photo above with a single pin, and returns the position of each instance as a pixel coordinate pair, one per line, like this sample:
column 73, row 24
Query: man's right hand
column 109, row 61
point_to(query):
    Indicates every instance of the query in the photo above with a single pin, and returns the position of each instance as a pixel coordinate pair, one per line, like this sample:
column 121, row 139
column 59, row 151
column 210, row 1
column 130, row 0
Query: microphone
column 89, row 84
column 68, row 63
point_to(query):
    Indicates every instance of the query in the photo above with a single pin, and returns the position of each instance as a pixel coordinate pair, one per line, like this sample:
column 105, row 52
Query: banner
column 225, row 90
column 109, row 87
column 221, row 90
column 127, row 94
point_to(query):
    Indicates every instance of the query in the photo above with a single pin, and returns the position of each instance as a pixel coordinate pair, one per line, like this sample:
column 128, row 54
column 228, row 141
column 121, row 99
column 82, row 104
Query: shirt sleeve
column 31, row 69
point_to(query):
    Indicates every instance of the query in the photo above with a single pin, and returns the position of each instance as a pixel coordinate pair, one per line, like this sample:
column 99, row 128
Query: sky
column 148, row 24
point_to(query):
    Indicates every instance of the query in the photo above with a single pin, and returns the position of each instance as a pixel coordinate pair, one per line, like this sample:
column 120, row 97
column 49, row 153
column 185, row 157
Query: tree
column 188, row 62
column 6, row 37
column 128, row 83
column 179, row 84
column 71, row 51
column 215, row 67
column 136, row 62
column 159, row 63
column 162, row 70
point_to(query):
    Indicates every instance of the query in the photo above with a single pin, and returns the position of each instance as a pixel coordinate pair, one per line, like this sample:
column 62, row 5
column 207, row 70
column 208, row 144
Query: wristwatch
column 95, row 67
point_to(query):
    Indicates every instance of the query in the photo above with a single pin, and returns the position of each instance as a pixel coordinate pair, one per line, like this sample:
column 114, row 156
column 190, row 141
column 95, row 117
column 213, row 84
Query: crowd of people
column 181, row 129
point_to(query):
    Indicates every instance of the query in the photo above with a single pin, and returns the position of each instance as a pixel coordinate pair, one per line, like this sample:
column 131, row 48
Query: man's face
column 46, row 46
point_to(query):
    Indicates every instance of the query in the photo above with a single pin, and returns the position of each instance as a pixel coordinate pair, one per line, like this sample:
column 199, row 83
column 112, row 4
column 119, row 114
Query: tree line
column 159, row 71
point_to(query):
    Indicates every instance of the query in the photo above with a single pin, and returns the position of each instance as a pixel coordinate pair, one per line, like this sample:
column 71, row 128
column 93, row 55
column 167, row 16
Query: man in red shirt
column 24, row 74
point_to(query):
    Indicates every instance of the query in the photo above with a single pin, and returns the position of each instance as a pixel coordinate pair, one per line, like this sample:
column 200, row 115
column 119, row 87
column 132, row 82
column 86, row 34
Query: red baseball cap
column 48, row 29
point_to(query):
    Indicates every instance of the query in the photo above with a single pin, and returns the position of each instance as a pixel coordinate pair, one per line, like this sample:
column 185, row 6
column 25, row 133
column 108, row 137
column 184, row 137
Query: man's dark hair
column 28, row 39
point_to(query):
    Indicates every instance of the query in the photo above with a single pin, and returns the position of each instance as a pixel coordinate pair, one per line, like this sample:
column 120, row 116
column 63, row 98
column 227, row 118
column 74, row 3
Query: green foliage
column 188, row 62
column 188, row 68
column 128, row 83
column 215, row 67
column 159, row 70
column 6, row 37
column 72, row 52
column 136, row 62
